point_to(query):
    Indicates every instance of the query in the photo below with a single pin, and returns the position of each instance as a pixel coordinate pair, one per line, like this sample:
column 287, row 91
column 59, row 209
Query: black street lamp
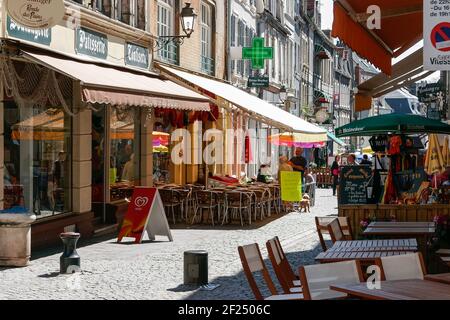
column 187, row 18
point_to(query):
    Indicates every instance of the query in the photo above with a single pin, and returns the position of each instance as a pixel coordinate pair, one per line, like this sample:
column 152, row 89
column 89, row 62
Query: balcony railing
column 208, row 65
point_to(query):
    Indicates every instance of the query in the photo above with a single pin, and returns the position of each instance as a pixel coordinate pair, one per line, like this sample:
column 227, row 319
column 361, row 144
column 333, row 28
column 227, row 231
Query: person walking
column 366, row 161
column 335, row 174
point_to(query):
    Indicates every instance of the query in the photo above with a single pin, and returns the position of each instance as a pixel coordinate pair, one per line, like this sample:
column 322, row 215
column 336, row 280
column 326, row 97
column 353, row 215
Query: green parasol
column 392, row 123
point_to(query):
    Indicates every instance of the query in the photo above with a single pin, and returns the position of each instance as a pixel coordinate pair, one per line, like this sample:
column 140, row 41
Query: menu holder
column 353, row 184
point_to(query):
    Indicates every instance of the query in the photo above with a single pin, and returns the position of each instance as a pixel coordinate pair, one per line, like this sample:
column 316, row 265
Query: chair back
column 334, row 228
column 283, row 270
column 238, row 199
column 205, row 198
column 322, row 228
column 402, row 267
column 252, row 262
column 317, row 279
column 169, row 196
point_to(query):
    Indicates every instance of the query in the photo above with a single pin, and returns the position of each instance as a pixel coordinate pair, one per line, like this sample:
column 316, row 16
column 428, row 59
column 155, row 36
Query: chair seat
column 296, row 290
column 285, row 297
column 443, row 252
column 327, row 294
column 297, row 283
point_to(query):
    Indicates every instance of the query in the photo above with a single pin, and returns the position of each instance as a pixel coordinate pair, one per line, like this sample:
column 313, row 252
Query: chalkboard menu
column 352, row 184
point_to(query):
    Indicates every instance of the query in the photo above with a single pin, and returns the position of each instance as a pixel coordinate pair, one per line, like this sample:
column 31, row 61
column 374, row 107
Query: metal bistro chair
column 262, row 202
column 238, row 202
column 171, row 198
column 205, row 200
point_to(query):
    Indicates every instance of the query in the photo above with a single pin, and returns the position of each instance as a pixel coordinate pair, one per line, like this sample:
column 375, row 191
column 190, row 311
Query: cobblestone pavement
column 154, row 270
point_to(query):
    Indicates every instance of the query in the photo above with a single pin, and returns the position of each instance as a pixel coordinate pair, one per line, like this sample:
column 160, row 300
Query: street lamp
column 283, row 94
column 187, row 18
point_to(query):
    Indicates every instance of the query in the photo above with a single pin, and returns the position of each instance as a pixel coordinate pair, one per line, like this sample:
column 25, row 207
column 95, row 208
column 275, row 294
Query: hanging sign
column 91, row 43
column 16, row 30
column 36, row 14
column 145, row 213
column 136, row 56
column 291, row 186
column 436, row 34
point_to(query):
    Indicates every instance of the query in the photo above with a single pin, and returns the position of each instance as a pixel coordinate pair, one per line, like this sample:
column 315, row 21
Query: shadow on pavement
column 236, row 287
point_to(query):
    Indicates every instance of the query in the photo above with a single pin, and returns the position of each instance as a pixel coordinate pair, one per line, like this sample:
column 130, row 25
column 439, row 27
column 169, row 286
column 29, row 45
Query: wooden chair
column 239, row 202
column 171, row 200
column 205, row 200
column 285, row 275
column 335, row 230
column 322, row 228
column 402, row 267
column 317, row 279
column 252, row 262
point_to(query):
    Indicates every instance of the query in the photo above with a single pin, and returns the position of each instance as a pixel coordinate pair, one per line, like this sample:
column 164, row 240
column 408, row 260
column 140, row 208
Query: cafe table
column 398, row 290
column 364, row 257
column 387, row 224
column 442, row 277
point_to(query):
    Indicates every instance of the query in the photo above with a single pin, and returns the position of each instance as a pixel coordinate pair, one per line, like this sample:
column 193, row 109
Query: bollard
column 196, row 267
column 69, row 262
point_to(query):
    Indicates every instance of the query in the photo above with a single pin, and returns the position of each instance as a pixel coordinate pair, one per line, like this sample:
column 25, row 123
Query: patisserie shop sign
column 36, row 14
column 91, row 43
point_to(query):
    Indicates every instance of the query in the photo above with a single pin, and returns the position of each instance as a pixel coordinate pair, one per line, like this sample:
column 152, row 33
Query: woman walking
column 335, row 174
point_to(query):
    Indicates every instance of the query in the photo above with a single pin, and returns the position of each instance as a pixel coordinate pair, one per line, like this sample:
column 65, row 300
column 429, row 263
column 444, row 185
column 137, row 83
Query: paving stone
column 154, row 270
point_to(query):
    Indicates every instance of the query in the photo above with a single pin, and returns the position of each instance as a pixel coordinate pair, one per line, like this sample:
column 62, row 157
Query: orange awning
column 401, row 28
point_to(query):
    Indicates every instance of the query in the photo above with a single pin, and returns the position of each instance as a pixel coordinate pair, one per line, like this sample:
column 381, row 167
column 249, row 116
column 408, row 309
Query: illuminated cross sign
column 258, row 54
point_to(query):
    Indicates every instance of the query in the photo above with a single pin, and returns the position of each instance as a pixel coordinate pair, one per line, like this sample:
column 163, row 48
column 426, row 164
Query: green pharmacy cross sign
column 258, row 54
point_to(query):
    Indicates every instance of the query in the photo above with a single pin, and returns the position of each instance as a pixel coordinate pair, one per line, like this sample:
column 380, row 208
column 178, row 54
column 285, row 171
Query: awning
column 256, row 108
column 401, row 28
column 404, row 73
column 107, row 85
column 336, row 139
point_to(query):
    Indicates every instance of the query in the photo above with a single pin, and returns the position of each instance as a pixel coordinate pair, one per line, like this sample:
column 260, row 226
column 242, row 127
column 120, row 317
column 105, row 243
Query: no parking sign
column 436, row 34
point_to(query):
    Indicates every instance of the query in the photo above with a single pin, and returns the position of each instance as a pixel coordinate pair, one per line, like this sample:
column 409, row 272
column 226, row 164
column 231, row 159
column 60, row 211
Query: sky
column 326, row 7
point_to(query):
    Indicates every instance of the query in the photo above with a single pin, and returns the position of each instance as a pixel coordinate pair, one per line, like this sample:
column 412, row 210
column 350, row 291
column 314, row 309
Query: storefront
column 240, row 109
column 78, row 122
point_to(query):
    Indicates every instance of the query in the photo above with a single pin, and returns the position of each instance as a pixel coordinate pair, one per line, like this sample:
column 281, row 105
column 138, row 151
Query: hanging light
column 283, row 94
column 188, row 16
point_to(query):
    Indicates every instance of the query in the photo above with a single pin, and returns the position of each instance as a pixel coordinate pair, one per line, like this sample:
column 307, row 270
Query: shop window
column 37, row 150
column 207, row 61
column 124, row 152
column 161, row 149
column 166, row 27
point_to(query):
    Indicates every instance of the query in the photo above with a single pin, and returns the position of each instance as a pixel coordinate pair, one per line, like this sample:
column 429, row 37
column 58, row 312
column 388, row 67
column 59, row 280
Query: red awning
column 401, row 28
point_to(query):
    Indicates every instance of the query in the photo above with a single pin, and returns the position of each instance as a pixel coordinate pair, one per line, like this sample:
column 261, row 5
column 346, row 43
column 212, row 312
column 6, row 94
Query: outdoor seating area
column 233, row 204
column 401, row 265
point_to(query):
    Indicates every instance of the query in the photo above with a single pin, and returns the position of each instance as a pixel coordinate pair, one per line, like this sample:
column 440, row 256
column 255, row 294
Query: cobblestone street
column 154, row 270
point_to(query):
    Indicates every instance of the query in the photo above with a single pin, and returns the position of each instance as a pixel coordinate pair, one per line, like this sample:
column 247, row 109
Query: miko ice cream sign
column 436, row 34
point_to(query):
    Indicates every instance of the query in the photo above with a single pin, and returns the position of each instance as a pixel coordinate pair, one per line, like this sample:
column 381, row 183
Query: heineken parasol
column 392, row 123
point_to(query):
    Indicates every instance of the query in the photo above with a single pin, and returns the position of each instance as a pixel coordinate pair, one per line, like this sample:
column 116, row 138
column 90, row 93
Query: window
column 233, row 40
column 131, row 12
column 124, row 153
column 207, row 61
column 37, row 153
column 241, row 43
column 166, row 27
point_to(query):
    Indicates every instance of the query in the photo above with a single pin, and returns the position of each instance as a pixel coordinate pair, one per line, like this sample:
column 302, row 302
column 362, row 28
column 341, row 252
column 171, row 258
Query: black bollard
column 196, row 267
column 69, row 262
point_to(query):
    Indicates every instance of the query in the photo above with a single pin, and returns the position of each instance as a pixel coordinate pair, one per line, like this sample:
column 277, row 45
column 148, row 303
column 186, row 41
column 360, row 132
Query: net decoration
column 34, row 85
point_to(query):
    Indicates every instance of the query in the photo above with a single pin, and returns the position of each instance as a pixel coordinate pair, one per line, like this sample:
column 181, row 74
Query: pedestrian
column 298, row 162
column 335, row 173
column 285, row 166
column 351, row 160
column 365, row 161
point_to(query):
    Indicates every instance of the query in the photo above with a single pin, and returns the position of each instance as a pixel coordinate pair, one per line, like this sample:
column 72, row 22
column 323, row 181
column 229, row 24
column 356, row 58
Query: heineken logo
column 348, row 130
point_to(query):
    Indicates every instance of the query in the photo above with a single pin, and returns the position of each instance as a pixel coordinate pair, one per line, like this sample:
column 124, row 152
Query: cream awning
column 108, row 85
column 256, row 108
